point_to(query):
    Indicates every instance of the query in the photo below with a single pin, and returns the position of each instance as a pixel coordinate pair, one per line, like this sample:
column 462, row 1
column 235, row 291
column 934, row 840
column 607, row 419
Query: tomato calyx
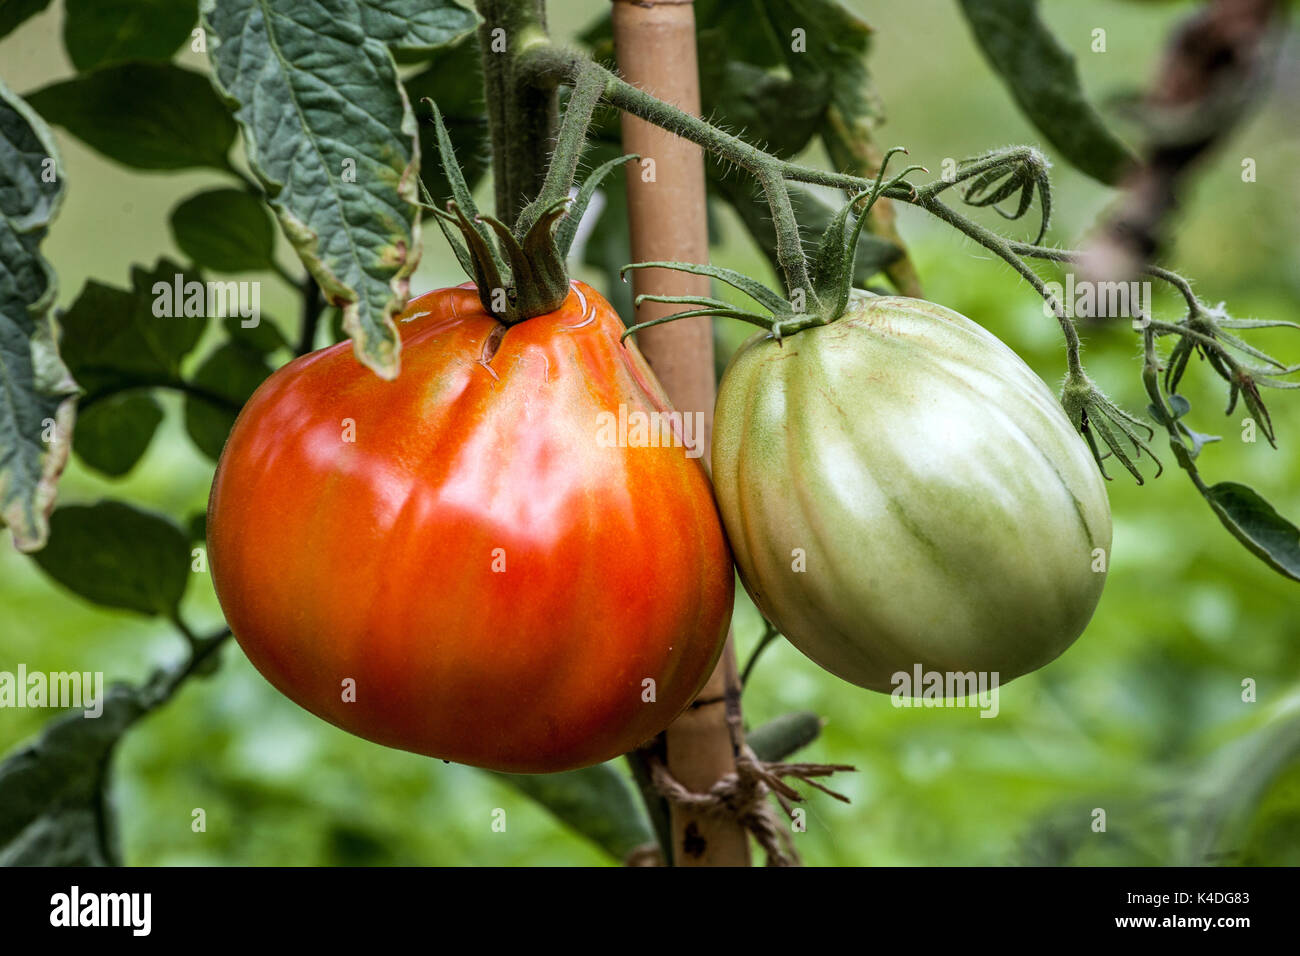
column 519, row 272
column 830, row 274
column 1094, row 416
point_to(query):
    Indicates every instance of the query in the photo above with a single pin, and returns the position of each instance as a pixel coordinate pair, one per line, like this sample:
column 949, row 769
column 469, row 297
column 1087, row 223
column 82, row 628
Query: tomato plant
column 900, row 488
column 416, row 530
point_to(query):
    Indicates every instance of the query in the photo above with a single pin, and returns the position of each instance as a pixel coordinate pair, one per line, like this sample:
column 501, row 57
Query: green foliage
column 595, row 801
column 349, row 212
column 14, row 12
column 452, row 78
column 1257, row 525
column 113, row 339
column 101, row 32
column 35, row 405
column 113, row 434
column 1041, row 75
column 154, row 116
column 416, row 26
column 118, row 555
column 783, row 736
column 225, row 229
column 54, row 812
column 232, row 372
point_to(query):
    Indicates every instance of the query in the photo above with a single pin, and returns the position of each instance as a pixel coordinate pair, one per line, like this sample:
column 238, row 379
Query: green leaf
column 264, row 337
column 1043, row 80
column 53, row 792
column 834, row 43
column 453, row 80
column 341, row 167
column 227, row 230
column 145, row 115
column 416, row 25
column 784, row 735
column 117, row 555
column 232, row 371
column 36, row 404
column 1255, row 523
column 113, row 434
column 113, row 339
column 780, row 112
column 197, row 527
column 595, row 801
column 14, row 12
column 100, row 32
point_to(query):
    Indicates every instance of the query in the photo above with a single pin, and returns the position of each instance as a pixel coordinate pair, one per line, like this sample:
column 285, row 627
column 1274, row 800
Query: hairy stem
column 521, row 114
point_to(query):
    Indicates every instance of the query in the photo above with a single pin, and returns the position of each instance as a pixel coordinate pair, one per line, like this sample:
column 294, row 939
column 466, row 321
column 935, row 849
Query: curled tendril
column 1095, row 417
column 995, row 176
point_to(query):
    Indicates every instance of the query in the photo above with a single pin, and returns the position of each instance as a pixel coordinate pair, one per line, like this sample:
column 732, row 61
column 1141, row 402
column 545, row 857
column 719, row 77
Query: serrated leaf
column 228, row 230
column 53, row 791
column 113, row 434
column 1042, row 78
column 1257, row 525
column 112, row 338
column 13, row 13
column 100, row 32
column 341, row 167
column 118, row 555
column 416, row 25
column 36, row 402
column 595, row 801
column 145, row 115
column 233, row 372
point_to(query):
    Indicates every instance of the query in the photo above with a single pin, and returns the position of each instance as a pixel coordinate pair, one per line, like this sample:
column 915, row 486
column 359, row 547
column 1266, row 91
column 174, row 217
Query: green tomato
column 900, row 489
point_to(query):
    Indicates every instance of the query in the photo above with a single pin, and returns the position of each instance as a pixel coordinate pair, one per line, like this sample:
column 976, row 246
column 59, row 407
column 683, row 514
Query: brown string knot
column 742, row 796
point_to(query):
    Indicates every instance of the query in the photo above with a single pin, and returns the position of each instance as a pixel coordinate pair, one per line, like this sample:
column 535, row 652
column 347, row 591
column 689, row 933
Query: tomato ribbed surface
column 944, row 510
column 497, row 582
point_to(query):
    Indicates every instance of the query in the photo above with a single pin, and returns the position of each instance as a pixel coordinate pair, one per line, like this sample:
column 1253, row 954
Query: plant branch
column 173, row 384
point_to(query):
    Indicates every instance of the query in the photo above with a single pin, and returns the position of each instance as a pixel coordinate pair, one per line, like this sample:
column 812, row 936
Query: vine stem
column 547, row 64
column 521, row 114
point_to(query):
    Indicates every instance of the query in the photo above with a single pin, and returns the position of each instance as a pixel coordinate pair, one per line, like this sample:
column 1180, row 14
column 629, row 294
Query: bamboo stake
column 655, row 46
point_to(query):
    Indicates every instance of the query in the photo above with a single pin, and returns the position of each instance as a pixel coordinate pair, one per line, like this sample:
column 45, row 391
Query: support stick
column 655, row 45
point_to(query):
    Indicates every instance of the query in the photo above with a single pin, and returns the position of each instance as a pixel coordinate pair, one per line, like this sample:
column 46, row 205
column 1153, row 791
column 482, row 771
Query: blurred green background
column 1143, row 717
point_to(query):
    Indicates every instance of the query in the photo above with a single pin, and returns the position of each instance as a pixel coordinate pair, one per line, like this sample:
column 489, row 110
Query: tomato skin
column 947, row 509
column 374, row 559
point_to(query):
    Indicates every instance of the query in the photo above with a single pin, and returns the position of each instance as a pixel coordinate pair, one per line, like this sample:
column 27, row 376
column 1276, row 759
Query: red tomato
column 500, row 584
